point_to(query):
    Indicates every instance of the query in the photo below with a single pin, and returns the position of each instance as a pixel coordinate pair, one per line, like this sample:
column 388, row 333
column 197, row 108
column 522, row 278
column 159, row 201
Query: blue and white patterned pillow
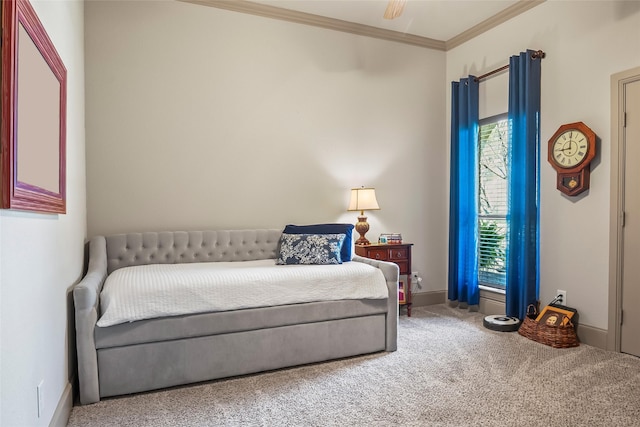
column 336, row 228
column 310, row 249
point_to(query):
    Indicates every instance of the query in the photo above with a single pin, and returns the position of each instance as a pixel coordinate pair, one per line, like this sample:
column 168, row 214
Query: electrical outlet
column 562, row 297
column 40, row 393
column 416, row 280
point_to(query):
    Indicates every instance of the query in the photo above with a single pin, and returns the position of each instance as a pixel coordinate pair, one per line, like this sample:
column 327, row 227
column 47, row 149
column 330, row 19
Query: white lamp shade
column 363, row 199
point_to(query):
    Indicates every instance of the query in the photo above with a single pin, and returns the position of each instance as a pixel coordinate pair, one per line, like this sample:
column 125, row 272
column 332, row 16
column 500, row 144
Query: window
column 492, row 206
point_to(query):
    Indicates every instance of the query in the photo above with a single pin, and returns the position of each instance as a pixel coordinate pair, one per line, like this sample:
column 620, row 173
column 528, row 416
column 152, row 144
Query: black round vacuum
column 501, row 323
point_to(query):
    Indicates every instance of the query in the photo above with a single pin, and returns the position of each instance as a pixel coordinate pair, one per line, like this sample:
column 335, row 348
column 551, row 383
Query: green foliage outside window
column 492, row 189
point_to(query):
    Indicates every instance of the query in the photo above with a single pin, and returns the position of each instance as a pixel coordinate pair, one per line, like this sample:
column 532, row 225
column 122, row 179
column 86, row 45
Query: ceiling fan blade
column 394, row 9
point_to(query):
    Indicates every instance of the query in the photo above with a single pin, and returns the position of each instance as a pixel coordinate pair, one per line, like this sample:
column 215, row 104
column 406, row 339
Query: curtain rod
column 537, row 54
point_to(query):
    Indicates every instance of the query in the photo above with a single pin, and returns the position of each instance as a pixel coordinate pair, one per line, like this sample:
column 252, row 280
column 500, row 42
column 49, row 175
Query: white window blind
column 492, row 215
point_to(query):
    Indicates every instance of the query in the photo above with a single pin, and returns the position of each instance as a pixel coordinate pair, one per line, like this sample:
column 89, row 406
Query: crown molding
column 497, row 19
column 320, row 21
column 297, row 17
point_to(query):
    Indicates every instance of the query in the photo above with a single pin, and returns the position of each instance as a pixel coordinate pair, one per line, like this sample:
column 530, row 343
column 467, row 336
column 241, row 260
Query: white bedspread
column 158, row 290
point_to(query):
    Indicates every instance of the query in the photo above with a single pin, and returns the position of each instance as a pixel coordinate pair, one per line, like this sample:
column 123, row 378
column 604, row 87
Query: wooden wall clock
column 571, row 150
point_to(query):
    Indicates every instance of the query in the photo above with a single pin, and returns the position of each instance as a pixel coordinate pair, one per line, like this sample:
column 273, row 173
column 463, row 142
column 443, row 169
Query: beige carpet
column 448, row 371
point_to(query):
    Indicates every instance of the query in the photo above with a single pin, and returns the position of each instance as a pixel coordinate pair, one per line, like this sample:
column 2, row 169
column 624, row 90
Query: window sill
column 492, row 296
column 492, row 300
column 492, row 289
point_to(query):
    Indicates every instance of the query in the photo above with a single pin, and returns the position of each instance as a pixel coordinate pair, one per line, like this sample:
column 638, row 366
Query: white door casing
column 624, row 278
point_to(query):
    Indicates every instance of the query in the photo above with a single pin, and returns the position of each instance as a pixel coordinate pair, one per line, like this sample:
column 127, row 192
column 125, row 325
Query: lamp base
column 362, row 226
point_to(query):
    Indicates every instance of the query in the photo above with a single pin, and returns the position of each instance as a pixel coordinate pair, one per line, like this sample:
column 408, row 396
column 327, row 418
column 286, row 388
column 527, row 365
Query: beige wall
column 203, row 118
column 199, row 118
column 41, row 256
column 585, row 42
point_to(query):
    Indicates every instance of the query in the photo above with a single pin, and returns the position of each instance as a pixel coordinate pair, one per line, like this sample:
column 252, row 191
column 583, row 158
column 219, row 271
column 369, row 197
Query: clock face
column 570, row 148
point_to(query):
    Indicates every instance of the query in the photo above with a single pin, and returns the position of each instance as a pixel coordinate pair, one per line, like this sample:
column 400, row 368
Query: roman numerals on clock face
column 570, row 149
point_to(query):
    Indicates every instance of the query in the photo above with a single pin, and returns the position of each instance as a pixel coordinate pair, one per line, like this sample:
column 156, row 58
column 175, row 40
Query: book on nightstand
column 390, row 238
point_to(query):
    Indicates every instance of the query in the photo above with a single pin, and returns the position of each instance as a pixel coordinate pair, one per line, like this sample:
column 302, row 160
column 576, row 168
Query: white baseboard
column 595, row 337
column 63, row 410
column 422, row 299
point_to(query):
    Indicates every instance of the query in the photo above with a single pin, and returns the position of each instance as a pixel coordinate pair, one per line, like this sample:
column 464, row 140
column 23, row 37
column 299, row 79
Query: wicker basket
column 554, row 336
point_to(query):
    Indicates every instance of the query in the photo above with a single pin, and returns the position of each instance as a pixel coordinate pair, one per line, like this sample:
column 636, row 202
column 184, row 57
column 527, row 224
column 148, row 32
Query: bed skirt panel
column 205, row 324
column 135, row 368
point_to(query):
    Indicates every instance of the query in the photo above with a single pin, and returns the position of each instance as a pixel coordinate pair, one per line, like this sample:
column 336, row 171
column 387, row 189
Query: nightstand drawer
column 403, row 265
column 379, row 254
column 398, row 254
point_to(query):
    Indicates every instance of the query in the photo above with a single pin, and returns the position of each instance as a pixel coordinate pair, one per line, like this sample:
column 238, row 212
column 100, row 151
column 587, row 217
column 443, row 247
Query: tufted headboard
column 171, row 247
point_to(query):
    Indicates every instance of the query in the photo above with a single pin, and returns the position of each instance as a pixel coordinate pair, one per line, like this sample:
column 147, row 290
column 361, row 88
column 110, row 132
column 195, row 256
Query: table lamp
column 394, row 9
column 363, row 199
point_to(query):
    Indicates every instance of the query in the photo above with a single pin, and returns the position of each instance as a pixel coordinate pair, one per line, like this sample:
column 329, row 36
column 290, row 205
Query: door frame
column 618, row 81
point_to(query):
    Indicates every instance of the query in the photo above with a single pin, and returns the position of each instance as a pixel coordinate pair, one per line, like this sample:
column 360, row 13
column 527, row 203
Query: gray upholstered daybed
column 181, row 349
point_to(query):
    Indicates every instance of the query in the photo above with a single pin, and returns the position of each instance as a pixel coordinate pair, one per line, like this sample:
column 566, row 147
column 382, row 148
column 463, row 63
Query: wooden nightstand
column 399, row 254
